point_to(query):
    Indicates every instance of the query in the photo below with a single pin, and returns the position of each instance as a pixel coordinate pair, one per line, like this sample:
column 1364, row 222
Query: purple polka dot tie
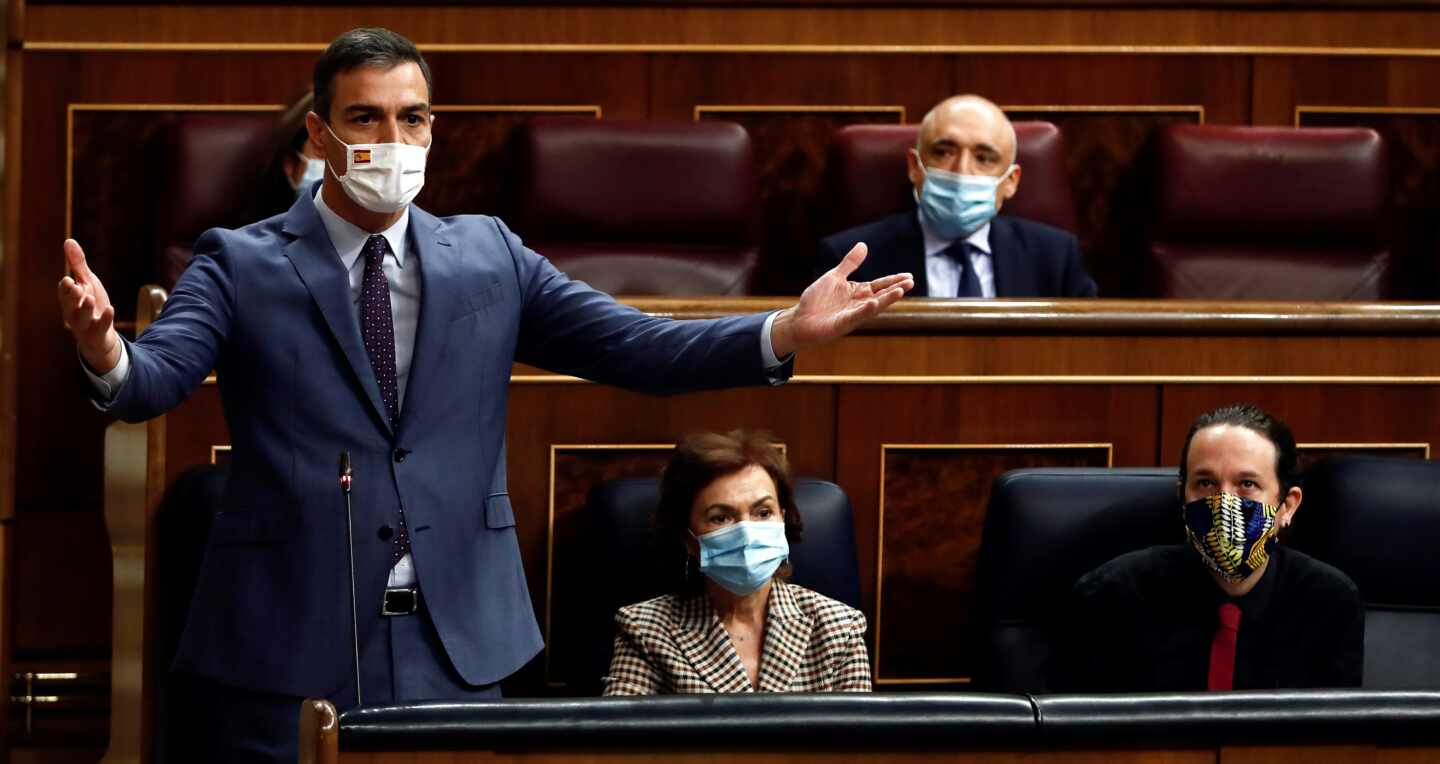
column 377, row 327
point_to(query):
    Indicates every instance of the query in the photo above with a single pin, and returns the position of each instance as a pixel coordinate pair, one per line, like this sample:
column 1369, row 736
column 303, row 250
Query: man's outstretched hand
column 834, row 306
column 86, row 310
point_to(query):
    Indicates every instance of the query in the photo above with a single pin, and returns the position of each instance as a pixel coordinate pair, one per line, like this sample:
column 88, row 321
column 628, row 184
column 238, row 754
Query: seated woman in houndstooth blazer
column 735, row 624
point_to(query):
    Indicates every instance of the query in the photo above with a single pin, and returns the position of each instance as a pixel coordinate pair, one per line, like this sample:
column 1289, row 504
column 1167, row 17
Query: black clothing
column 1144, row 622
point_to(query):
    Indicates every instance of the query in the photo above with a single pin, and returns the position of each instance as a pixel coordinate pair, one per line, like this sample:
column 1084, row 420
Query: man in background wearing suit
column 357, row 322
column 963, row 169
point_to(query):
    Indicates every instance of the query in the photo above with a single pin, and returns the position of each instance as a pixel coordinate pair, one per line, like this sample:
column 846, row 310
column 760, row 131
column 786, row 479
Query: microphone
column 346, row 477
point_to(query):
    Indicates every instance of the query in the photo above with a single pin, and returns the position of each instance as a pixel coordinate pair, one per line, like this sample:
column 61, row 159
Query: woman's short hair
column 698, row 461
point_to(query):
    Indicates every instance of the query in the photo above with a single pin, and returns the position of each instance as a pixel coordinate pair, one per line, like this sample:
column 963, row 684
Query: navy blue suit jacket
column 269, row 308
column 1031, row 259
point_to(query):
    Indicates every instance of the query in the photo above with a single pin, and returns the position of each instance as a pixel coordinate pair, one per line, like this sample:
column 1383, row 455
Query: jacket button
column 385, row 532
column 400, row 455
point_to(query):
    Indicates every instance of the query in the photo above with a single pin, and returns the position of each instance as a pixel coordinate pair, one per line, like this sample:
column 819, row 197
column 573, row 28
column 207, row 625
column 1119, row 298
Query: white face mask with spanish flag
column 381, row 177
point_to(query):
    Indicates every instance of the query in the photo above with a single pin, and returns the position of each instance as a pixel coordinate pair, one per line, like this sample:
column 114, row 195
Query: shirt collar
column 348, row 238
column 935, row 245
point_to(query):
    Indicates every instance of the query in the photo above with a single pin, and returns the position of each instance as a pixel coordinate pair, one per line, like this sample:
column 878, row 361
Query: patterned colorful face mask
column 1233, row 535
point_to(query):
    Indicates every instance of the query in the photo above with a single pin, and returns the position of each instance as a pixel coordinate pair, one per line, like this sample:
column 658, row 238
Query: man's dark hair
column 700, row 460
column 1287, row 468
column 368, row 46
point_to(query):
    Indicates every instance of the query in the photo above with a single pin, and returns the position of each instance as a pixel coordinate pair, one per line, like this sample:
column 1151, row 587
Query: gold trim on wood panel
column 1301, row 109
column 701, row 109
column 590, row 108
column 1423, row 447
column 215, row 452
column 880, row 530
column 1147, row 108
column 804, row 49
column 1040, row 379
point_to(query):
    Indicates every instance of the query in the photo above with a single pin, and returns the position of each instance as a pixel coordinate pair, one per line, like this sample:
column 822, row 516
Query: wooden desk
column 914, row 418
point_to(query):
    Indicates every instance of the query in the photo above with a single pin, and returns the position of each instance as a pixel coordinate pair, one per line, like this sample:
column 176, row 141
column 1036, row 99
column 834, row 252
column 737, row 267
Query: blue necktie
column 377, row 327
column 969, row 285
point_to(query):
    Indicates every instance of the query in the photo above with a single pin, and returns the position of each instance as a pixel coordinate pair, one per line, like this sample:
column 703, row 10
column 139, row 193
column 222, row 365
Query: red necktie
column 1222, row 649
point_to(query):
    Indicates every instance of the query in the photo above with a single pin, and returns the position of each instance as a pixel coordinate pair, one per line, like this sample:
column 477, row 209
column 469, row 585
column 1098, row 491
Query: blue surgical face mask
column 952, row 205
column 743, row 556
column 314, row 172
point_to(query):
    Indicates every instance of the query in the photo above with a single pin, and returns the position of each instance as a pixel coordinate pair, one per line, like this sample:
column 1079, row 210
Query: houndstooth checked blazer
column 675, row 644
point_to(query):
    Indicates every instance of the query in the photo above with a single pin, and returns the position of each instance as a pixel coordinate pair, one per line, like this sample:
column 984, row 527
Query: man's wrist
column 781, row 340
column 104, row 361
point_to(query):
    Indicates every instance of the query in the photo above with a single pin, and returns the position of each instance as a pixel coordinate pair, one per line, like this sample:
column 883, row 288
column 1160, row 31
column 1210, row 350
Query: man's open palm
column 834, row 306
column 86, row 310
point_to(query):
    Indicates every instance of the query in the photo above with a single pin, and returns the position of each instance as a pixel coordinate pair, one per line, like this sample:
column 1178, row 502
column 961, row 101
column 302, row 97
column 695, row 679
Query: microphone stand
column 346, row 476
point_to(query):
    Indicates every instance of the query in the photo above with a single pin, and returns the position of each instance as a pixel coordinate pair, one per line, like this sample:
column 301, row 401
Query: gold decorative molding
column 880, row 532
column 1147, row 108
column 805, row 49
column 1042, row 379
column 1421, row 111
column 215, row 452
column 1423, row 448
column 702, row 109
column 589, row 108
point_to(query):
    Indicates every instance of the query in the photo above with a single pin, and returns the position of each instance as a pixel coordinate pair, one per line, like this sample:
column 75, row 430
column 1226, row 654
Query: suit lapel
column 707, row 647
column 911, row 246
column 1005, row 260
column 313, row 256
column 787, row 635
column 439, row 292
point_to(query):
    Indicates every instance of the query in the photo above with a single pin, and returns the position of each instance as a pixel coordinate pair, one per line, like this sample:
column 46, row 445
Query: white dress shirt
column 942, row 272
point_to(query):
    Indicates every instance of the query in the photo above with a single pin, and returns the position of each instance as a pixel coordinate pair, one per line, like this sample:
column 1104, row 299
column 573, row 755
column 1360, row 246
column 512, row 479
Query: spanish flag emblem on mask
column 362, row 156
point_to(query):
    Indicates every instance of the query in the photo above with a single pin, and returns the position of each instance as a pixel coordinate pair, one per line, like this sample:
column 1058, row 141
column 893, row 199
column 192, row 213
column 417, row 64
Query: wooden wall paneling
column 1108, row 108
column 61, row 585
column 871, row 416
column 9, row 334
column 543, row 415
column 661, row 24
column 1412, row 138
column 933, row 500
column 574, row 470
column 193, row 431
column 617, row 82
column 824, row 93
column 63, row 422
column 1364, row 418
column 1041, row 358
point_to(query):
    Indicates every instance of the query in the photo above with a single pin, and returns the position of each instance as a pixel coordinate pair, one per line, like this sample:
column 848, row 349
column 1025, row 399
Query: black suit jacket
column 1031, row 259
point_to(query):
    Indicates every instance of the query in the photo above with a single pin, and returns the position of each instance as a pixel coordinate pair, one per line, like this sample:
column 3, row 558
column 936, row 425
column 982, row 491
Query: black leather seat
column 1378, row 520
column 1045, row 528
column 620, row 529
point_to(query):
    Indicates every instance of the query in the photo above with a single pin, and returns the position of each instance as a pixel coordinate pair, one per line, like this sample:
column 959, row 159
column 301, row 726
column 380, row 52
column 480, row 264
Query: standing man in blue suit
column 357, row 322
column 963, row 169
